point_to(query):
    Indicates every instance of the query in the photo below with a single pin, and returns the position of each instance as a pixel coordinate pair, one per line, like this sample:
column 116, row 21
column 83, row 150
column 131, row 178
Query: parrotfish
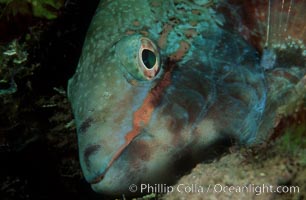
column 162, row 82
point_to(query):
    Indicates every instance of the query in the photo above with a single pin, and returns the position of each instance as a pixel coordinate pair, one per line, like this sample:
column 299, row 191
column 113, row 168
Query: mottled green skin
column 210, row 90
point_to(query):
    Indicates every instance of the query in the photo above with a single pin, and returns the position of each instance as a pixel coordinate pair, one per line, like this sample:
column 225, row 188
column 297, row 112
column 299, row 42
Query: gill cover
column 138, row 56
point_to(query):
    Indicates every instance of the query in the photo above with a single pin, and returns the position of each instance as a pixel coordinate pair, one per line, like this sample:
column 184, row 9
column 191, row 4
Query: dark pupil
column 148, row 58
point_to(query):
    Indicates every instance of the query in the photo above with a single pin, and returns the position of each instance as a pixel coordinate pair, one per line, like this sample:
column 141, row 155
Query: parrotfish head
column 160, row 82
column 138, row 113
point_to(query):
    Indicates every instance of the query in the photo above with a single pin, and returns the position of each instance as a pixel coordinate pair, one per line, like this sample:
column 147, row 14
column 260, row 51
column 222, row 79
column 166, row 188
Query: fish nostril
column 89, row 151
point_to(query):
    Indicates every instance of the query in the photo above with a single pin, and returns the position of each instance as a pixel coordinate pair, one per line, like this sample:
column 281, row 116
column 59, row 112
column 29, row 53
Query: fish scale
column 159, row 81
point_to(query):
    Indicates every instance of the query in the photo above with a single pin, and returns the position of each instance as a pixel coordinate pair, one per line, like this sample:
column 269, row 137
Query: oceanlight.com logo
column 217, row 188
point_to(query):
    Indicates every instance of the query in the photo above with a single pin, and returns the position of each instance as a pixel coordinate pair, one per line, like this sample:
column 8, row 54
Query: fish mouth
column 100, row 177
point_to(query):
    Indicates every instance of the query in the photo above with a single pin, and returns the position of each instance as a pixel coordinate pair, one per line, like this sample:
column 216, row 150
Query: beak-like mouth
column 114, row 158
column 100, row 177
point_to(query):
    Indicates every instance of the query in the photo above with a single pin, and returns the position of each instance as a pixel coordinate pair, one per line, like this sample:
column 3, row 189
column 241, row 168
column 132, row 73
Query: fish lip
column 116, row 156
column 98, row 178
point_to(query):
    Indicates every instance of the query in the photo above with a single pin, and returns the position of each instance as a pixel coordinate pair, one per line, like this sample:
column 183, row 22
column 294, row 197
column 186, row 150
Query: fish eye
column 139, row 57
column 148, row 58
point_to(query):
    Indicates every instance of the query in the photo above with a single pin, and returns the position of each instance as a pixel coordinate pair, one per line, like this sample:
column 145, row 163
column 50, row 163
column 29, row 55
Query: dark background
column 38, row 144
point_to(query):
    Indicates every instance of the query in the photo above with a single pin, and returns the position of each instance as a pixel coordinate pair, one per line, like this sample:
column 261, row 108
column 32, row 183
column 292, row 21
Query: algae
column 39, row 8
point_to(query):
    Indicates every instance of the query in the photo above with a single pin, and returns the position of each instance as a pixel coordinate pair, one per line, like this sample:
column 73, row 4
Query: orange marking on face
column 136, row 23
column 155, row 3
column 162, row 42
column 144, row 33
column 196, row 12
column 189, row 33
column 130, row 32
column 141, row 117
column 180, row 53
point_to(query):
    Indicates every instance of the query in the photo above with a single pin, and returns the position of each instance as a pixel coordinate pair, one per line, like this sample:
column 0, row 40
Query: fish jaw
column 154, row 157
column 141, row 162
column 102, row 134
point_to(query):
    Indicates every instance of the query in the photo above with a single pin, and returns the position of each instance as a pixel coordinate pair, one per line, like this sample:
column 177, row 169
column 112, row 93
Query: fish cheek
column 149, row 161
column 139, row 152
column 176, row 120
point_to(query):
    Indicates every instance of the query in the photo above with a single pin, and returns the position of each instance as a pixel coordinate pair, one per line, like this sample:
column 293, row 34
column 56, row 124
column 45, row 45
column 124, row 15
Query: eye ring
column 137, row 57
column 148, row 58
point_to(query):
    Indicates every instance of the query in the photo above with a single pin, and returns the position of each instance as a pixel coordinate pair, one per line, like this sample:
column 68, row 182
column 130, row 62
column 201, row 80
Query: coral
column 46, row 8
column 37, row 136
column 12, row 60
